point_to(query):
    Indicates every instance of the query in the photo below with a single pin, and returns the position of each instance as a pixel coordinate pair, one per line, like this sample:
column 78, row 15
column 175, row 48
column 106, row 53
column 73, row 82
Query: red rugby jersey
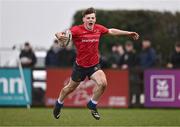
column 86, row 43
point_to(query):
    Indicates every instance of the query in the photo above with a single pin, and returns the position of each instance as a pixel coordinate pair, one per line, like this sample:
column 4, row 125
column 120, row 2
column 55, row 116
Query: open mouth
column 90, row 23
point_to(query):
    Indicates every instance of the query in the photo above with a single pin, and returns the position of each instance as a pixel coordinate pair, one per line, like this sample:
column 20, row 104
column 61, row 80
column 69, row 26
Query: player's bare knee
column 104, row 83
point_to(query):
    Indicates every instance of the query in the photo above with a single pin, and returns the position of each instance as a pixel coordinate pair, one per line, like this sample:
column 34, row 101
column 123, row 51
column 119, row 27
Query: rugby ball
column 68, row 34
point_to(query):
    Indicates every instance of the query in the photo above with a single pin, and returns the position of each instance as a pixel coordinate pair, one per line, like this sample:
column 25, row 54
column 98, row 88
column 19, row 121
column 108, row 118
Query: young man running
column 86, row 40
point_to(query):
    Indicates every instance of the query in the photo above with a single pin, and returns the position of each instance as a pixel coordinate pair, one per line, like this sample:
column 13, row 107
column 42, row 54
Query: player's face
column 89, row 21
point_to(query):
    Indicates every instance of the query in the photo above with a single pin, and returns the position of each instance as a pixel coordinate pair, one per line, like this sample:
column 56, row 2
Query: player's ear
column 83, row 19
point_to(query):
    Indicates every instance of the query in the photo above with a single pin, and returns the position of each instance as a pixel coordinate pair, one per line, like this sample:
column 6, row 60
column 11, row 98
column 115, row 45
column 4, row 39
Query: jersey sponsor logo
column 90, row 40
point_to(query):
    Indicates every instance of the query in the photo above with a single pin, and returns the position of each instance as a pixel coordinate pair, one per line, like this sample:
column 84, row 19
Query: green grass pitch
column 82, row 117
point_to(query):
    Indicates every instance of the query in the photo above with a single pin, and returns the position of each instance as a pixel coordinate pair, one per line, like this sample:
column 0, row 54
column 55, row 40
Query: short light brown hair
column 88, row 11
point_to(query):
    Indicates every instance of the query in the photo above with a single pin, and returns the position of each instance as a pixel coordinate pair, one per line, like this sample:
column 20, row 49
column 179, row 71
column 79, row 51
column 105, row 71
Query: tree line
column 162, row 28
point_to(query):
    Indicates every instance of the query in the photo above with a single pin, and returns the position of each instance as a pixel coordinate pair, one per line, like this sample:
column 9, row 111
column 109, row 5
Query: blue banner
column 14, row 90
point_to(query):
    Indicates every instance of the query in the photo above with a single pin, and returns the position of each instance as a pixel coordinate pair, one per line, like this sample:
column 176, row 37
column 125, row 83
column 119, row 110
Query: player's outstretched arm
column 118, row 32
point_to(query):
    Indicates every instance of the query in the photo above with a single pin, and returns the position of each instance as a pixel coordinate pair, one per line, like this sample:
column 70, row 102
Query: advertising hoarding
column 115, row 95
column 162, row 88
column 13, row 90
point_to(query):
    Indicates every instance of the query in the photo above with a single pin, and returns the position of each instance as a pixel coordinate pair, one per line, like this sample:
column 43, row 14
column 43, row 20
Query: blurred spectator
column 116, row 55
column 67, row 56
column 52, row 57
column 129, row 57
column 174, row 61
column 147, row 57
column 129, row 62
column 27, row 56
